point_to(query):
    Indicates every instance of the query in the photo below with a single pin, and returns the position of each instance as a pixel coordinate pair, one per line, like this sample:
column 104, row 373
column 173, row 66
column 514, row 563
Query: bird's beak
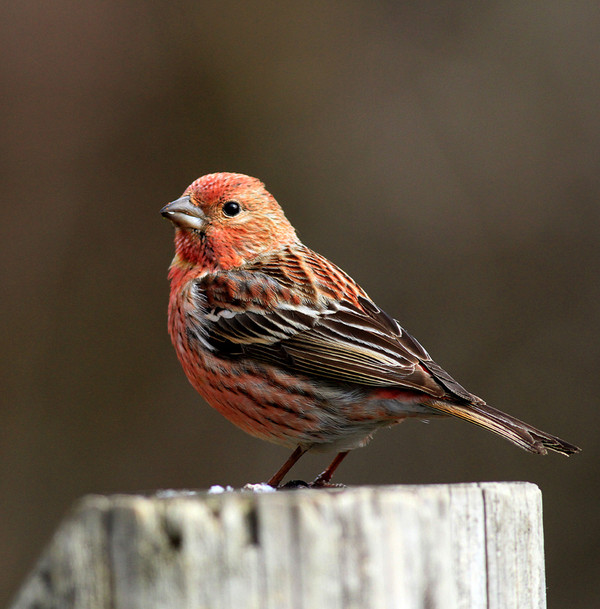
column 184, row 214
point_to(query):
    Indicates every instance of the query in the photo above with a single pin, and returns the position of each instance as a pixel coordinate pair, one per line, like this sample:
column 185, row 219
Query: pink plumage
column 287, row 346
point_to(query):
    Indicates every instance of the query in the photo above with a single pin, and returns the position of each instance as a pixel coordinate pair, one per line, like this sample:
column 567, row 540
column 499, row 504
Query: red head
column 224, row 220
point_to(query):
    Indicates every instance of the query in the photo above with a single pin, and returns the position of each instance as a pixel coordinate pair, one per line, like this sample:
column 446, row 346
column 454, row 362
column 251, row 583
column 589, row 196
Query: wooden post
column 465, row 546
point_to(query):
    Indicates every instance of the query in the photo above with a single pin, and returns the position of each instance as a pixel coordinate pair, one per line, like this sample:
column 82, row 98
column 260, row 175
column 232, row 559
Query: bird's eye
column 231, row 208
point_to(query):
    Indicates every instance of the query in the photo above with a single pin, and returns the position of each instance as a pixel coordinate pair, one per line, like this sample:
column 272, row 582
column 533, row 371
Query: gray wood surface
column 443, row 546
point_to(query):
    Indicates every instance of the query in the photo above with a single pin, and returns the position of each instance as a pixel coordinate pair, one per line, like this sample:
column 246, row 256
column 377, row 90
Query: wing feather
column 262, row 314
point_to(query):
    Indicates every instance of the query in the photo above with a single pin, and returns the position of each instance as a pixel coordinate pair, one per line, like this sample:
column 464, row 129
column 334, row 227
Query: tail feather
column 520, row 433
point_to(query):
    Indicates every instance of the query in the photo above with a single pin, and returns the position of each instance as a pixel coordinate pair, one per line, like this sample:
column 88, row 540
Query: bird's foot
column 324, row 481
column 294, row 485
column 318, row 482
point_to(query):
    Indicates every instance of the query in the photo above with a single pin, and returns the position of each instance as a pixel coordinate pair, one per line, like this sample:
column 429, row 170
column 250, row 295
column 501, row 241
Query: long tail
column 520, row 433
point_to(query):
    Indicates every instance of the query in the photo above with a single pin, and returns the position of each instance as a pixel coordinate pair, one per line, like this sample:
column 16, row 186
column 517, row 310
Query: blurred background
column 444, row 153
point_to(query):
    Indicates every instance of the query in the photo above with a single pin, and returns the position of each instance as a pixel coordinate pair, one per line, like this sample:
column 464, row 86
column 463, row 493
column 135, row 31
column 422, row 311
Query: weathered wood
column 468, row 546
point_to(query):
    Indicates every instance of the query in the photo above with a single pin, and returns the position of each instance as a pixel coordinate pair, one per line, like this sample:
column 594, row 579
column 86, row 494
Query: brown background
column 446, row 154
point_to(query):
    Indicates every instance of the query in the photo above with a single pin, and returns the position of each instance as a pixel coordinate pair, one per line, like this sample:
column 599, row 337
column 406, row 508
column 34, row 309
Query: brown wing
column 262, row 314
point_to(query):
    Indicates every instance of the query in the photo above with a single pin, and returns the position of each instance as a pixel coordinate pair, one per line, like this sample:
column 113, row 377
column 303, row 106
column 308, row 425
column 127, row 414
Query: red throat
column 225, row 244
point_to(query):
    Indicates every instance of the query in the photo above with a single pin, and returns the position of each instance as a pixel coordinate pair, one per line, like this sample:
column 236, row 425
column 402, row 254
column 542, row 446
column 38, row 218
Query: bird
column 288, row 347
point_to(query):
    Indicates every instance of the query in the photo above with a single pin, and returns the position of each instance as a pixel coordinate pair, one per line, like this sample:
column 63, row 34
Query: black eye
column 231, row 208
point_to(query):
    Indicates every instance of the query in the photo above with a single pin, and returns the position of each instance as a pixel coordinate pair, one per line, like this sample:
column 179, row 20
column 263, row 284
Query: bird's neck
column 198, row 254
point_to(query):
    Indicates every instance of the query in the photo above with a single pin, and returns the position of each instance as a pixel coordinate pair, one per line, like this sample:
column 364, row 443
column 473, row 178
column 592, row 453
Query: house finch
column 287, row 346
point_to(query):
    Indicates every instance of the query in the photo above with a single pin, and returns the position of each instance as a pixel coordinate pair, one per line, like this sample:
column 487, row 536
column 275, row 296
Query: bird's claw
column 318, row 482
column 294, row 485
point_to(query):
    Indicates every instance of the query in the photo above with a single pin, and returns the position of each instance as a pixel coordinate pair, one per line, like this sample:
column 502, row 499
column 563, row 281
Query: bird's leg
column 276, row 478
column 324, row 478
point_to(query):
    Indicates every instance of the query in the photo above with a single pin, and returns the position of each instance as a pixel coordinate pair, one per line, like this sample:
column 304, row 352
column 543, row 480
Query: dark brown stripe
column 282, row 424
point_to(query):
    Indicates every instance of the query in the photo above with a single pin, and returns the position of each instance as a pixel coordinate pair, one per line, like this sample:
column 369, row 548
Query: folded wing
column 355, row 342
